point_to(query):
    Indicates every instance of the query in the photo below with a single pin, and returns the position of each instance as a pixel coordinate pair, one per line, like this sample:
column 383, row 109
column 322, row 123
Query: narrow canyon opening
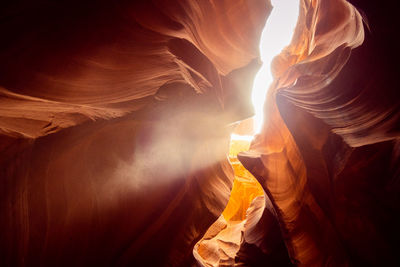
column 229, row 228
column 127, row 136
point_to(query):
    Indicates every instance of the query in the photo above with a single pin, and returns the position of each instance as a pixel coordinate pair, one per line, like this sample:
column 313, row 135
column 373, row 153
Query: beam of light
column 242, row 137
column 276, row 34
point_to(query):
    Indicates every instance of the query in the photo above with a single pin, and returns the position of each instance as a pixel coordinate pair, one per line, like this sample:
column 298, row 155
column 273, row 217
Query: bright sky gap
column 276, row 35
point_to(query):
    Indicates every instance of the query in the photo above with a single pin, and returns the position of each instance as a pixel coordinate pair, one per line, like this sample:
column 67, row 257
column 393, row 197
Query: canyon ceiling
column 115, row 126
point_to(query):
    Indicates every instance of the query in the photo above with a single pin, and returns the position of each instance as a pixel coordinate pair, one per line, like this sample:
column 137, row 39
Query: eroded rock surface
column 115, row 121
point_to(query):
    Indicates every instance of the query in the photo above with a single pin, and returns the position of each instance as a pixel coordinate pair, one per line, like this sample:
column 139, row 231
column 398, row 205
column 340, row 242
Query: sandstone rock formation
column 115, row 120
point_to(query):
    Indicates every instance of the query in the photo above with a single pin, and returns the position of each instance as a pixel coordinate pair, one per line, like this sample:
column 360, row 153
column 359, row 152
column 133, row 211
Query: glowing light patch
column 242, row 137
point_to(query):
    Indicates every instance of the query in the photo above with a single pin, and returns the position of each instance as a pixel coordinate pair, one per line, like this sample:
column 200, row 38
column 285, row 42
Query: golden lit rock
column 127, row 134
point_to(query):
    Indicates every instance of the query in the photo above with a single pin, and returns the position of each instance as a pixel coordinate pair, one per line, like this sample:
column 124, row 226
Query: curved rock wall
column 115, row 121
column 327, row 154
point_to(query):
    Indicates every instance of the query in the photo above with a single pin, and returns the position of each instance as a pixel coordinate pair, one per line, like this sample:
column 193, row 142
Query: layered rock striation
column 115, row 121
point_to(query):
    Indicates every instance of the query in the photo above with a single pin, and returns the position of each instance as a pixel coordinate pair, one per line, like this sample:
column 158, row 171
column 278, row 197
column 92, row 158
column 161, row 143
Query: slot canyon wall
column 115, row 123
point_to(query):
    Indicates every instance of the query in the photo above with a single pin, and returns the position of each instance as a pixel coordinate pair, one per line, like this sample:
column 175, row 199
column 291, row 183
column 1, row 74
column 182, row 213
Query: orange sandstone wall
column 115, row 121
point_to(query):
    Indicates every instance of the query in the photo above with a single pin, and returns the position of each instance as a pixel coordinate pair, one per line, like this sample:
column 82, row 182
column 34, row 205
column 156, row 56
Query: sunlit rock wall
column 115, row 121
column 327, row 156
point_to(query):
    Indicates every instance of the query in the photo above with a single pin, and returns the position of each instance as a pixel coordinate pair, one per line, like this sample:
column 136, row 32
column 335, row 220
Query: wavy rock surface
column 115, row 121
column 66, row 63
column 321, row 157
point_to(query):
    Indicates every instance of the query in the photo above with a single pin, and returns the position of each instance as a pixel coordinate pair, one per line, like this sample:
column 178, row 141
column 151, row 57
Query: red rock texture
column 115, row 120
column 327, row 157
